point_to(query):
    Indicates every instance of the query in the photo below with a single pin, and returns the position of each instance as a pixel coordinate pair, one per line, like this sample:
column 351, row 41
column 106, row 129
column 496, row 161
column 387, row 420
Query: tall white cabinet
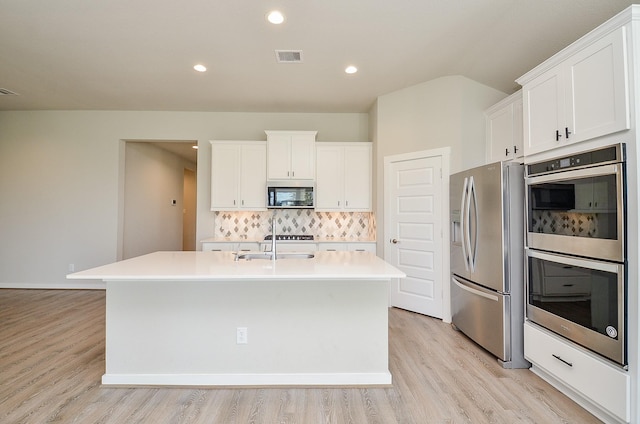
column 343, row 176
column 238, row 175
column 582, row 98
column 291, row 155
column 504, row 129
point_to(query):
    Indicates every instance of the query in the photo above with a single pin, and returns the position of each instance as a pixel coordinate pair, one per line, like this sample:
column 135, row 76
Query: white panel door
column 414, row 238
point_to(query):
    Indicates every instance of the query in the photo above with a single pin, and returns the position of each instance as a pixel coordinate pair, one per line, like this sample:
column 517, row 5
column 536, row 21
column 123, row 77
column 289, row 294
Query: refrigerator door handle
column 475, row 291
column 463, row 224
column 473, row 251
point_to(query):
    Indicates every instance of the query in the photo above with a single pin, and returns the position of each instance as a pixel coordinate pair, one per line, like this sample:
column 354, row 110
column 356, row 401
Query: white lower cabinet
column 230, row 246
column 353, row 247
column 600, row 387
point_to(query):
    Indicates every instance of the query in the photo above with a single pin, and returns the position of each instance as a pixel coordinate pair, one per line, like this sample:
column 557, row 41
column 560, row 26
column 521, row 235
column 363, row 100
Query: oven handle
column 596, row 171
column 573, row 261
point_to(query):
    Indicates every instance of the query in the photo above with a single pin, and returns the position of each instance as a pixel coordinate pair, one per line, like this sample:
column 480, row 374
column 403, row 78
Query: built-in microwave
column 576, row 204
column 292, row 194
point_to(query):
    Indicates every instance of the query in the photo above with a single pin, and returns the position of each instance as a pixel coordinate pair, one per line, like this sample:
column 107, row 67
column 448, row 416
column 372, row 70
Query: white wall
column 447, row 111
column 153, row 178
column 61, row 179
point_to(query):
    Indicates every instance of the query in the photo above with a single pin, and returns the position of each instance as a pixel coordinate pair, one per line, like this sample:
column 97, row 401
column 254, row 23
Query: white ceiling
column 138, row 55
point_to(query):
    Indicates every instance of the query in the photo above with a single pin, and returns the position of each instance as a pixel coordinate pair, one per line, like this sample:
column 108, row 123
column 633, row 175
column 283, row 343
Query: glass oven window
column 587, row 297
column 585, row 207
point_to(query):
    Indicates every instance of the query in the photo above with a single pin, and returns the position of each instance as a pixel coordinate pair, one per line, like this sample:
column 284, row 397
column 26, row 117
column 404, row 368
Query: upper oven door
column 578, row 212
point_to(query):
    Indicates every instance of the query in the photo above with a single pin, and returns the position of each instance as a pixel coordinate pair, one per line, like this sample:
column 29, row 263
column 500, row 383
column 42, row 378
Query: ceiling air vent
column 5, row 92
column 289, row 56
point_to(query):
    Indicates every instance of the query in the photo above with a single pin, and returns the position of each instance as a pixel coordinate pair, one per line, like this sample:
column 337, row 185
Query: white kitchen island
column 177, row 318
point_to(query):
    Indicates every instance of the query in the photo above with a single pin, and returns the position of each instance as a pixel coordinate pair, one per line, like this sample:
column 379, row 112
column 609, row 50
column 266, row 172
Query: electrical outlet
column 241, row 335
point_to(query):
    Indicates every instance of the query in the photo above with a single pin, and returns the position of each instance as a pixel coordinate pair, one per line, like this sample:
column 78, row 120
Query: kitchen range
column 576, row 244
column 487, row 286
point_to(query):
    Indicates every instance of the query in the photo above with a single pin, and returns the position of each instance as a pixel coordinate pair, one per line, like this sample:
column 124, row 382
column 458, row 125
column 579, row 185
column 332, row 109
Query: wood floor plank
column 52, row 359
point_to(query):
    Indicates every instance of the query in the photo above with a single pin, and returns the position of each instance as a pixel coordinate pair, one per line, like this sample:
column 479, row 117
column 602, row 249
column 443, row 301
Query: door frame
column 444, row 153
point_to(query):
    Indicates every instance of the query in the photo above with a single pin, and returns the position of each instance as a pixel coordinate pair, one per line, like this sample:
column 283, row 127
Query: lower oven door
column 482, row 315
column 580, row 299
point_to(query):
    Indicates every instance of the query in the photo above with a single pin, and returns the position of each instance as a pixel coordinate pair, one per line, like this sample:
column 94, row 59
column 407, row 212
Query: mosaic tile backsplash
column 255, row 225
column 565, row 223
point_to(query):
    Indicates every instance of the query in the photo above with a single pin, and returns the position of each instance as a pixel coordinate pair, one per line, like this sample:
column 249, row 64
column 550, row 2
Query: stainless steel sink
column 268, row 255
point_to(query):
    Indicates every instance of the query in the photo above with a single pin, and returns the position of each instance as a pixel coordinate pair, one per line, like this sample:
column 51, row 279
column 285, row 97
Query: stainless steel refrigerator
column 487, row 269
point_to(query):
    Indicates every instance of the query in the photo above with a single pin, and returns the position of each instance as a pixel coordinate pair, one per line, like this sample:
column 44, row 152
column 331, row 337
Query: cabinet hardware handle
column 338, row 203
column 567, row 132
column 558, row 135
column 288, row 174
column 293, row 173
column 394, row 241
column 506, row 152
column 243, row 203
column 562, row 360
column 234, row 203
column 346, row 203
column 515, row 149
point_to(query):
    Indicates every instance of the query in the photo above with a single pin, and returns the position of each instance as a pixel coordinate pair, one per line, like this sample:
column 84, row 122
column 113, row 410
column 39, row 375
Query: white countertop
column 220, row 266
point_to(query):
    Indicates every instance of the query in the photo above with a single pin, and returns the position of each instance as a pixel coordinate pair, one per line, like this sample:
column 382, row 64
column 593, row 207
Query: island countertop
column 221, row 266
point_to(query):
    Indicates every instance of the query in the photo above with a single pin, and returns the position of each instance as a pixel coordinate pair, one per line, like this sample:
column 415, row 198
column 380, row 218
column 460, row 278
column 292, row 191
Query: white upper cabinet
column 343, row 177
column 583, row 97
column 504, row 129
column 238, row 175
column 291, row 155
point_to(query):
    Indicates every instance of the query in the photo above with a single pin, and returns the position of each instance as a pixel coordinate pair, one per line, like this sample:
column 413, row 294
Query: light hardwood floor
column 52, row 359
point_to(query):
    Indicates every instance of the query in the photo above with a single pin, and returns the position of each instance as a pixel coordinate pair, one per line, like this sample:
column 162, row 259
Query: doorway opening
column 158, row 196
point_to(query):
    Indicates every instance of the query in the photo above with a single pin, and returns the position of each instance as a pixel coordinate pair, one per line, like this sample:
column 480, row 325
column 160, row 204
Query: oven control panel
column 611, row 154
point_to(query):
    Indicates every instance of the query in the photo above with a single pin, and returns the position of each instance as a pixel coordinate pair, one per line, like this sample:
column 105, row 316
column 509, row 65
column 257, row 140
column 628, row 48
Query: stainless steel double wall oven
column 576, row 249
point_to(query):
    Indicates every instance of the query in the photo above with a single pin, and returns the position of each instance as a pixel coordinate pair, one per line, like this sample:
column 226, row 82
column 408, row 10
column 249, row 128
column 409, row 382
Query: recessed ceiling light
column 275, row 17
column 351, row 69
column 200, row 68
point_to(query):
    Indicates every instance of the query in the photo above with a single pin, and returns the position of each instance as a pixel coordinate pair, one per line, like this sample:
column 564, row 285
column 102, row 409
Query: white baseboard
column 71, row 285
column 294, row 379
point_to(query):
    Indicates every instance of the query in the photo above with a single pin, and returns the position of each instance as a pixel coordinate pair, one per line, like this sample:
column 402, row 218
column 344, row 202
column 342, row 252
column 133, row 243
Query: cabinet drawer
column 596, row 380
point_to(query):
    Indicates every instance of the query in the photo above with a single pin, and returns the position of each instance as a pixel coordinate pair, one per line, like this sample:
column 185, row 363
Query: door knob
column 394, row 241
